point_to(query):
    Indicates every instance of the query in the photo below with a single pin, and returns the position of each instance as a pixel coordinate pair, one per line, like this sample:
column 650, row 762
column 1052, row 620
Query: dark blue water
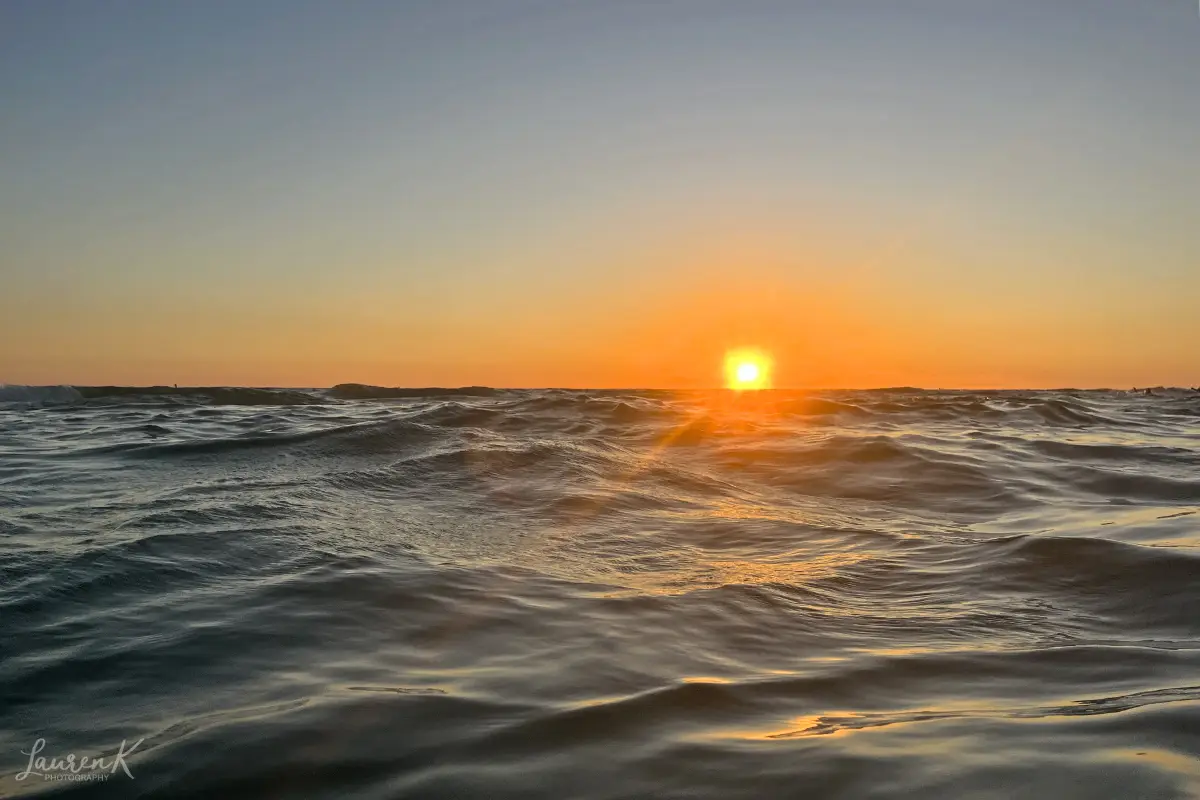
column 568, row 594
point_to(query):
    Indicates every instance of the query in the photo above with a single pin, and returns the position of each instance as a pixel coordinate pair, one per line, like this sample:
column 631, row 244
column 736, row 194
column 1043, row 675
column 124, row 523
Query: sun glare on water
column 747, row 369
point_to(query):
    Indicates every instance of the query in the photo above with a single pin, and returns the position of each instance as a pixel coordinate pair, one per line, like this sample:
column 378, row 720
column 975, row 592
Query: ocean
column 481, row 593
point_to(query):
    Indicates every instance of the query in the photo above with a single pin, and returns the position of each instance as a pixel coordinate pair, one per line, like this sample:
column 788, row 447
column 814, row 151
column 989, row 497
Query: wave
column 815, row 406
column 356, row 437
column 634, row 593
column 211, row 395
column 18, row 393
column 1079, row 451
column 831, row 724
column 779, row 441
column 361, row 391
column 1101, row 569
column 1058, row 409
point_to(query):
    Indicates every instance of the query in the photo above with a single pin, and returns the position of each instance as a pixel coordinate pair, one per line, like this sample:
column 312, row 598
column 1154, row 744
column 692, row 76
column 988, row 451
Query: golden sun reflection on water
column 728, row 571
column 793, row 727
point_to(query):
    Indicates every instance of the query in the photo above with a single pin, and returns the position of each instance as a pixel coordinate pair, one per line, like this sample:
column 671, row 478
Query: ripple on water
column 485, row 593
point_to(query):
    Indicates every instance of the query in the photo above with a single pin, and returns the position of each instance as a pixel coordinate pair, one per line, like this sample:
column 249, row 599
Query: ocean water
column 361, row 593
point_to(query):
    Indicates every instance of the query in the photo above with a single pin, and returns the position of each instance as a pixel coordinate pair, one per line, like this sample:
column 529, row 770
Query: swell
column 499, row 740
column 212, row 395
column 455, row 592
column 634, row 406
column 1143, row 453
column 360, row 437
column 1097, row 568
column 360, row 391
column 873, row 467
column 831, row 724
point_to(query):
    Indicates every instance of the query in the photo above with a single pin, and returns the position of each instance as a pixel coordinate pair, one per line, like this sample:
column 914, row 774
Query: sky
column 611, row 193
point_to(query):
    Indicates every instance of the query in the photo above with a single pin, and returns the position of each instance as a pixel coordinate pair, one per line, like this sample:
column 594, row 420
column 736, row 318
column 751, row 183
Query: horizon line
column 979, row 388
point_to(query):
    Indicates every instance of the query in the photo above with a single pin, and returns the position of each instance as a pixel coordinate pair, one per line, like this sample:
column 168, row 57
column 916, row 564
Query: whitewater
column 363, row 592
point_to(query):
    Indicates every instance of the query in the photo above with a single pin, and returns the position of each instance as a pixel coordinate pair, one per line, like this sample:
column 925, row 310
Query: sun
column 747, row 369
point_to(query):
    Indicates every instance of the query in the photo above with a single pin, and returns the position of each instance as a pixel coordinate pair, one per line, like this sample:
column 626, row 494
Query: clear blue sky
column 599, row 193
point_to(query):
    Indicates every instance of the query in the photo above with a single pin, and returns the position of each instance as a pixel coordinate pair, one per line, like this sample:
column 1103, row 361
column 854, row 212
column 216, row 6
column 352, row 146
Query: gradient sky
column 606, row 193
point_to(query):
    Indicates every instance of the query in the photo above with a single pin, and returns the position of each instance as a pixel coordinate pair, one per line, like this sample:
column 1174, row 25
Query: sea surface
column 371, row 593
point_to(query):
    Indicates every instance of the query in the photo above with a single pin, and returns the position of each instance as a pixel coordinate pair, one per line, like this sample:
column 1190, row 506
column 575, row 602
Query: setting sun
column 747, row 369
